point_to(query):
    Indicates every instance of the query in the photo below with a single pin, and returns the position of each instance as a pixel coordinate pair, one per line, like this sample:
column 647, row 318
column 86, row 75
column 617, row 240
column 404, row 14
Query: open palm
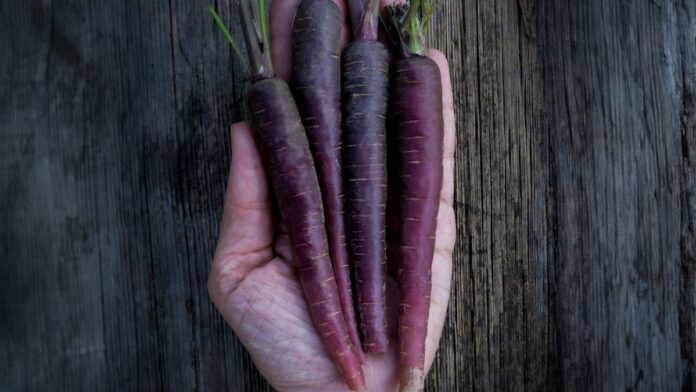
column 253, row 282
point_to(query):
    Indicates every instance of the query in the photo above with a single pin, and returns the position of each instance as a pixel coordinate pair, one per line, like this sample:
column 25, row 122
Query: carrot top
column 407, row 25
column 255, row 31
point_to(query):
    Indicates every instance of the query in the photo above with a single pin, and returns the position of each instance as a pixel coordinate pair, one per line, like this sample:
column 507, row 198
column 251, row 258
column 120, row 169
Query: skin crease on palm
column 253, row 283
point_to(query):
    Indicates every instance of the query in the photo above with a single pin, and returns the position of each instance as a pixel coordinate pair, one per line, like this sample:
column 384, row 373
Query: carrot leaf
column 407, row 25
column 264, row 23
column 228, row 35
column 255, row 29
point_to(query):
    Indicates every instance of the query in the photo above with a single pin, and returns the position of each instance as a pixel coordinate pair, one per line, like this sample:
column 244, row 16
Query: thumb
column 246, row 229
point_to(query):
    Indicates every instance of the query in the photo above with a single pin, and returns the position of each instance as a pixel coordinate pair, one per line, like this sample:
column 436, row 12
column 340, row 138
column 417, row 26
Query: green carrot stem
column 253, row 17
column 264, row 24
column 407, row 25
column 412, row 25
column 229, row 36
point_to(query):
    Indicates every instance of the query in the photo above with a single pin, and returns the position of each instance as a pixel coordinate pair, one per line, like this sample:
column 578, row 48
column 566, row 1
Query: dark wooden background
column 575, row 195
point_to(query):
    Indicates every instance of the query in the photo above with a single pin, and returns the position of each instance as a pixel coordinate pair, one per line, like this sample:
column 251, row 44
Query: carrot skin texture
column 365, row 82
column 282, row 143
column 393, row 232
column 317, row 87
column 417, row 109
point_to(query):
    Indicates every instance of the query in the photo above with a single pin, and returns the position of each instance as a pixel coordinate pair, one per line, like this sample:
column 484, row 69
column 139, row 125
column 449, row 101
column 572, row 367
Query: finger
column 446, row 224
column 246, row 229
column 281, row 16
column 446, row 233
column 445, row 238
column 450, row 139
column 439, row 300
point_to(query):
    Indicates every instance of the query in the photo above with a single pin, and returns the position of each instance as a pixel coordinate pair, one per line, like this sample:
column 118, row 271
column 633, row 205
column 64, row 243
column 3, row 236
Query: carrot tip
column 412, row 380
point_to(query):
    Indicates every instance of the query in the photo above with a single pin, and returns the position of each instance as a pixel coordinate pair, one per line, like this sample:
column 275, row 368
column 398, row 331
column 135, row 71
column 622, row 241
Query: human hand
column 255, row 286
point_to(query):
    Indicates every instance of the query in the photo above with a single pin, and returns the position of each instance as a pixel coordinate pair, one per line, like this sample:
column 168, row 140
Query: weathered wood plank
column 596, row 109
column 615, row 159
column 685, row 61
column 51, row 329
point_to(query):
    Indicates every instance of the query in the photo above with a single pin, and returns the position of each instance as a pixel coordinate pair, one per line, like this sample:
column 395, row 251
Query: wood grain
column 575, row 264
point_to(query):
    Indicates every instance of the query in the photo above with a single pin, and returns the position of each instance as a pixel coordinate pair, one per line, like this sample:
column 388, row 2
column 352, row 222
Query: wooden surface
column 575, row 179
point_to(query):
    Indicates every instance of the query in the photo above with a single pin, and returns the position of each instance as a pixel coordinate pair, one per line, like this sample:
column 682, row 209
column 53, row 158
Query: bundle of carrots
column 324, row 146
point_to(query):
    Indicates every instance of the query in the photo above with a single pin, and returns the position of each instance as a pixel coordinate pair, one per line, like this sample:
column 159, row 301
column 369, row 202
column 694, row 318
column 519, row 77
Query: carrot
column 317, row 87
column 417, row 113
column 282, row 143
column 365, row 87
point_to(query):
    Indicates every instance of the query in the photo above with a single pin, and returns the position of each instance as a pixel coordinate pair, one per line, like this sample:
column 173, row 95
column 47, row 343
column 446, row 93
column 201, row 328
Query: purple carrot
column 282, row 142
column 365, row 88
column 317, row 87
column 418, row 118
column 284, row 149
